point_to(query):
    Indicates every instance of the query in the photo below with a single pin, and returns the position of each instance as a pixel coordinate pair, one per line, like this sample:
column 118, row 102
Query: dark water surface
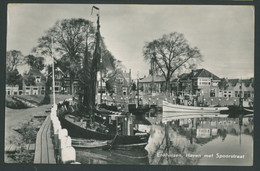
column 192, row 141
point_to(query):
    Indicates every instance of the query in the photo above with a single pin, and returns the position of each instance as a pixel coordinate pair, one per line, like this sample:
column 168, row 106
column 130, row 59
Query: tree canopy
column 69, row 37
column 171, row 53
column 14, row 58
column 35, row 62
column 13, row 78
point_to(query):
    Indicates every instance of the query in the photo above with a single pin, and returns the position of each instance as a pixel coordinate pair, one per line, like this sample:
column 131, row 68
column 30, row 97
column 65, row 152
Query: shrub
column 15, row 105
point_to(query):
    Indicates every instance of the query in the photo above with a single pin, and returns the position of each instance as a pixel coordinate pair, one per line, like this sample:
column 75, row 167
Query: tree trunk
column 72, row 84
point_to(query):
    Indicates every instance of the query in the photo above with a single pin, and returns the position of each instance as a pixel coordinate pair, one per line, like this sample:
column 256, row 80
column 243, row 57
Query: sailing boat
column 78, row 117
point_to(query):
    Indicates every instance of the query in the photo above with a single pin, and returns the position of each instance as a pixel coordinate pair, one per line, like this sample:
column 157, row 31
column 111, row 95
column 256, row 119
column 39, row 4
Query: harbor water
column 189, row 141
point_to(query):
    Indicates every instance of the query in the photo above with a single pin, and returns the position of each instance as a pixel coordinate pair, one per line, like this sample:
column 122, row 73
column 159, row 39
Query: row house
column 199, row 82
column 120, row 82
column 38, row 88
column 62, row 82
column 157, row 81
column 239, row 87
column 13, row 90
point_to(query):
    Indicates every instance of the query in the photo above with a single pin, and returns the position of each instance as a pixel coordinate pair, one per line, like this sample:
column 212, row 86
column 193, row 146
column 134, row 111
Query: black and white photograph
column 129, row 84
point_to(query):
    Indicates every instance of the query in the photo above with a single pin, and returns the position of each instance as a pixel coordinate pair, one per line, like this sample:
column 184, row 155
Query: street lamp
column 53, row 79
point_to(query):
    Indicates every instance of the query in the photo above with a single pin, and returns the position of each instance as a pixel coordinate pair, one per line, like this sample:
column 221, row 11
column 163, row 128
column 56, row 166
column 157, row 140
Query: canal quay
column 98, row 89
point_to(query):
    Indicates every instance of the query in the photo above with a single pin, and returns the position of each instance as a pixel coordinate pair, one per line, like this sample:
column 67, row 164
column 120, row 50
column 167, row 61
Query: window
column 57, row 83
column 35, row 88
column 212, row 93
column 8, row 92
column 114, row 90
column 27, row 88
column 38, row 79
column 204, row 81
column 124, row 91
column 236, row 94
column 247, row 94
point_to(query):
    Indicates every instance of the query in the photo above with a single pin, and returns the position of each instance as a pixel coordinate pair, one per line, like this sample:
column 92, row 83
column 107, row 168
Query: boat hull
column 174, row 112
column 168, row 107
column 76, row 131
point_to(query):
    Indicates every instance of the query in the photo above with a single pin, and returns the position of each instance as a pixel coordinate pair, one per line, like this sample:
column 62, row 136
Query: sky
column 223, row 34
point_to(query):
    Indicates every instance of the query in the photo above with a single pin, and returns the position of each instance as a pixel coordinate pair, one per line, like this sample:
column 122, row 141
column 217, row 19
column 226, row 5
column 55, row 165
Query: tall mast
column 95, row 63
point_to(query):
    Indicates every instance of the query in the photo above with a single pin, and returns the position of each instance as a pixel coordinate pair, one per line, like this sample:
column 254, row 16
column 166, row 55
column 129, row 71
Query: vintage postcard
column 130, row 84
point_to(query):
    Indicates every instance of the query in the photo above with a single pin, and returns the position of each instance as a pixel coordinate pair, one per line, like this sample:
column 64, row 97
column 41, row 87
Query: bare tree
column 170, row 53
column 14, row 58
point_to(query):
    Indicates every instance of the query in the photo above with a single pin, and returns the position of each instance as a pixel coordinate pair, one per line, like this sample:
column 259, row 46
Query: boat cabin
column 120, row 124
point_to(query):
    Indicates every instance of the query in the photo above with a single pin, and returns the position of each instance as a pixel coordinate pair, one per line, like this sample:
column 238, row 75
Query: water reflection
column 99, row 156
column 185, row 142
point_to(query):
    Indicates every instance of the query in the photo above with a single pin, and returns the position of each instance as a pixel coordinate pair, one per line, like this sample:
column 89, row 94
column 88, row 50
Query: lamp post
column 152, row 71
column 136, row 97
column 53, row 79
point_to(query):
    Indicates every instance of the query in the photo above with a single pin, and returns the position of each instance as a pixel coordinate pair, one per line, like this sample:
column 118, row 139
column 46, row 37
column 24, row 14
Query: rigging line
column 153, row 155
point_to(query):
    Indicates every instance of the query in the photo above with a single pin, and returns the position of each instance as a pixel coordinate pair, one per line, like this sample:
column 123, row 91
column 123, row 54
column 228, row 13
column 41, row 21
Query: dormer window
column 38, row 79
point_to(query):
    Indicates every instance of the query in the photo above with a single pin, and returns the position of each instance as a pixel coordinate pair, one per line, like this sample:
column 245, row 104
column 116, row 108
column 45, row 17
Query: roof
column 114, row 74
column 156, row 78
column 57, row 70
column 35, row 72
column 198, row 73
column 247, row 82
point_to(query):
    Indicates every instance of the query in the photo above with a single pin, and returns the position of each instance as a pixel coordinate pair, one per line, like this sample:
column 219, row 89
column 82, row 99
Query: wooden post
column 68, row 155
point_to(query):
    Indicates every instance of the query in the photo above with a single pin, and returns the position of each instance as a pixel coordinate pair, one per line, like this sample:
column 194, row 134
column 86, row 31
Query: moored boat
column 88, row 143
column 119, row 132
column 168, row 107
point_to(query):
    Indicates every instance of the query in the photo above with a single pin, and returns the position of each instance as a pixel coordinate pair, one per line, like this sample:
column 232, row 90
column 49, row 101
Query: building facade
column 243, row 88
column 199, row 82
column 155, row 84
column 119, row 83
column 38, row 88
column 13, row 90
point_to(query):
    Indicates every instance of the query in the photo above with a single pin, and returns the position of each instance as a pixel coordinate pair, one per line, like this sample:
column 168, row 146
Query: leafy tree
column 14, row 58
column 223, row 84
column 170, row 53
column 70, row 37
column 35, row 62
column 29, row 80
column 134, row 86
column 13, row 78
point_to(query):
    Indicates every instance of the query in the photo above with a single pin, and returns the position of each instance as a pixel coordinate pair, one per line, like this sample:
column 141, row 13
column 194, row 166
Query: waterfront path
column 44, row 149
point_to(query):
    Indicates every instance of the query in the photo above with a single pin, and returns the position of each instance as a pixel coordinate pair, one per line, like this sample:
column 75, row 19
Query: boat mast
column 100, row 79
column 95, row 62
